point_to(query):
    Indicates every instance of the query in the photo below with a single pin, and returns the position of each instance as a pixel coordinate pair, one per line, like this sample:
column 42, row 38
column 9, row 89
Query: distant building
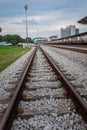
column 40, row 39
column 72, row 29
column 53, row 37
column 65, row 32
column 69, row 31
column 77, row 31
column 5, row 44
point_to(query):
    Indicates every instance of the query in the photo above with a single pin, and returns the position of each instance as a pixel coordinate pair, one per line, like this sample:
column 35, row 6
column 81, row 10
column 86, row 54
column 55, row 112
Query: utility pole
column 0, row 29
column 26, row 8
column 38, row 32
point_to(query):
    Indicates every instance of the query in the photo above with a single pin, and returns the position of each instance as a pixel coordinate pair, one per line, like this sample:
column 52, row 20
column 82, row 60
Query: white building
column 68, row 31
column 63, row 32
column 72, row 29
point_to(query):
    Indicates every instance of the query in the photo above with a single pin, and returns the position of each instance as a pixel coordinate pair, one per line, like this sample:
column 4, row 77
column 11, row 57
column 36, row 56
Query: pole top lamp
column 26, row 7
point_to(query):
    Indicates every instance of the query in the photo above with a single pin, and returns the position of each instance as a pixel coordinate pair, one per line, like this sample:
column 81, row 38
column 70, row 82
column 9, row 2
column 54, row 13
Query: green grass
column 9, row 54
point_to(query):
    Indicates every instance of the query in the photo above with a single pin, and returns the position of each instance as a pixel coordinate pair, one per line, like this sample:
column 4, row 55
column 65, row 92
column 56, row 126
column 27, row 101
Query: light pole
column 26, row 8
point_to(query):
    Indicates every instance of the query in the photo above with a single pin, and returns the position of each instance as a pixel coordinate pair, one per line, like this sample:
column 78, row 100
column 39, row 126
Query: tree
column 14, row 39
column 30, row 40
column 0, row 38
column 14, row 42
column 0, row 29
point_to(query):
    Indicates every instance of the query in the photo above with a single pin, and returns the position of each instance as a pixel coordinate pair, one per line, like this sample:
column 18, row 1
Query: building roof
column 5, row 43
column 83, row 20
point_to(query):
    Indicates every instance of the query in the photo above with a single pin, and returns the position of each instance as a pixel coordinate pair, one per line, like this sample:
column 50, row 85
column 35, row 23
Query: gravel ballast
column 11, row 75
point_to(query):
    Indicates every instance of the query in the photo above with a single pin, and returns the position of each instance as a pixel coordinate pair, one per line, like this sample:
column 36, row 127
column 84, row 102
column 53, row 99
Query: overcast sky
column 45, row 17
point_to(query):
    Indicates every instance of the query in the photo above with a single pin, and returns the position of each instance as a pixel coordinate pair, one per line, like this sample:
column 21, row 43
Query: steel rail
column 80, row 104
column 71, row 49
column 12, row 106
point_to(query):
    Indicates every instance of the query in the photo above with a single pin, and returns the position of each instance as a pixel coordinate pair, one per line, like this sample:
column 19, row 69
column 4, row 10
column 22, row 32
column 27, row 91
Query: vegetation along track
column 43, row 99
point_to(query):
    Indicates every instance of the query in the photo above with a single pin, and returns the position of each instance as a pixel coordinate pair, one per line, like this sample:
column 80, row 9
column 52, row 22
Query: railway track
column 80, row 50
column 44, row 99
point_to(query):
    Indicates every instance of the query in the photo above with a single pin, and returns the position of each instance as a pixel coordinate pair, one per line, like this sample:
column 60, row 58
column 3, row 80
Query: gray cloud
column 30, row 22
column 51, row 13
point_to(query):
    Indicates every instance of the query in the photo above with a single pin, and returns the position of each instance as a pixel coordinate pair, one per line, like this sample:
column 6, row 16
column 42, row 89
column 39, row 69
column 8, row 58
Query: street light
column 26, row 8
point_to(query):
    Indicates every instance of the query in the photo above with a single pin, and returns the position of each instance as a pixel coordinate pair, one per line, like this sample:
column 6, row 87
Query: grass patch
column 8, row 54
